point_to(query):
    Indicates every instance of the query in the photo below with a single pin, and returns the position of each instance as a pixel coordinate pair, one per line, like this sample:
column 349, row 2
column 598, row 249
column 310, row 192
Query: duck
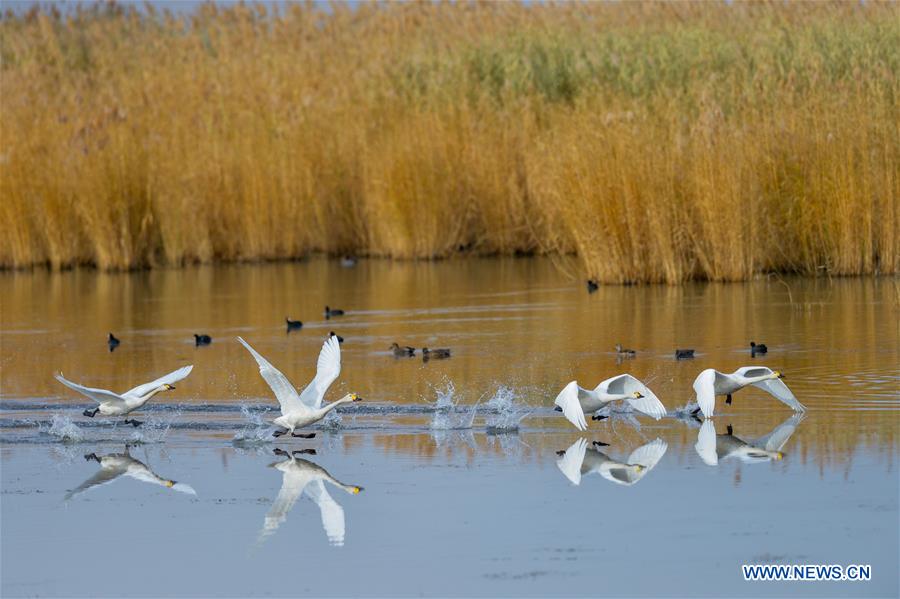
column 293, row 325
column 338, row 337
column 592, row 286
column 757, row 348
column 202, row 340
column 580, row 460
column 684, row 354
column 434, row 354
column 329, row 312
column 112, row 342
column 303, row 477
column 711, row 383
column 115, row 404
column 303, row 409
column 624, row 353
column 402, row 352
column 114, row 465
column 712, row 448
column 575, row 401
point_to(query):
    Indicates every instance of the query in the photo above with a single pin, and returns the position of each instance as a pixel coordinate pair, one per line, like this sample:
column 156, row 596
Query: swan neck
column 145, row 398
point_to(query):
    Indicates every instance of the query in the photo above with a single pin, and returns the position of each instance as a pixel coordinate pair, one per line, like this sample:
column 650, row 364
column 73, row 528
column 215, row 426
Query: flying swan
column 114, row 465
column 574, row 401
column 113, row 404
column 302, row 477
column 711, row 383
column 579, row 460
column 298, row 411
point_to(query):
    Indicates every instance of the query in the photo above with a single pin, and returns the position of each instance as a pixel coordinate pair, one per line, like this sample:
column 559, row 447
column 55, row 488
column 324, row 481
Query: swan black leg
column 598, row 417
column 302, row 436
column 278, row 433
column 279, row 451
column 728, row 399
column 91, row 413
column 92, row 456
column 133, row 422
column 304, row 451
column 600, row 444
column 695, row 412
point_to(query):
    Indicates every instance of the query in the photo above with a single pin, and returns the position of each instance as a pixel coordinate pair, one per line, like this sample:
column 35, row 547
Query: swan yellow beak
column 778, row 374
column 779, row 455
column 637, row 395
column 356, row 490
column 355, row 397
column 170, row 483
column 168, row 387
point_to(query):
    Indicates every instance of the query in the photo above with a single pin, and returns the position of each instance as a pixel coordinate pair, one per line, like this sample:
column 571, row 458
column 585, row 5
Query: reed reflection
column 303, row 477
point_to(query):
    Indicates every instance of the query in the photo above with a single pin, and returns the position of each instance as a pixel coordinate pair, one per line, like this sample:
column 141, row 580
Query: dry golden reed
column 658, row 142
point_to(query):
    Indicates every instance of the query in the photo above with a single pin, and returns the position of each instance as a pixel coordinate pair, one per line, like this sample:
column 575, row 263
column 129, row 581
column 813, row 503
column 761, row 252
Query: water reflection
column 580, row 460
column 114, row 465
column 300, row 476
column 712, row 447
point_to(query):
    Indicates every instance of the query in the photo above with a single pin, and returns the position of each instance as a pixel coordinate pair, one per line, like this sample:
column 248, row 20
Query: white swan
column 114, row 465
column 299, row 410
column 710, row 383
column 301, row 476
column 113, row 404
column 579, row 460
column 711, row 447
column 574, row 401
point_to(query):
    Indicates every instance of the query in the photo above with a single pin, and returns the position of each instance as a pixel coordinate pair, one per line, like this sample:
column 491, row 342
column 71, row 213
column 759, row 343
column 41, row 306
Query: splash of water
column 331, row 422
column 65, row 430
column 446, row 416
column 505, row 411
column 256, row 432
column 154, row 429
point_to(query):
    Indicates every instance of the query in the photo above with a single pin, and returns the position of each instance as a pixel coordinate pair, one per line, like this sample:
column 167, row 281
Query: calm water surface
column 471, row 484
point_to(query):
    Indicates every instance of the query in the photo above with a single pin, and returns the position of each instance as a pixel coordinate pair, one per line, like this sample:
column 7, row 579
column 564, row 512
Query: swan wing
column 332, row 513
column 779, row 390
column 282, row 388
column 706, row 444
column 169, row 379
column 98, row 395
column 649, row 455
column 292, row 485
column 142, row 472
column 567, row 400
column 570, row 462
column 102, row 477
column 705, row 387
column 621, row 474
column 777, row 439
column 327, row 370
column 624, row 384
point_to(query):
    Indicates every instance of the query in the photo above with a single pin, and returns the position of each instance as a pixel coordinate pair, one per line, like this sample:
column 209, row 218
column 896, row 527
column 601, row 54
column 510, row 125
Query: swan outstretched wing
column 143, row 473
column 98, row 395
column 774, row 387
column 292, row 485
column 327, row 370
column 282, row 388
column 332, row 513
column 648, row 455
column 705, row 387
column 567, row 400
column 102, row 477
column 706, row 443
column 624, row 384
column 169, row 379
column 570, row 462
column 777, row 439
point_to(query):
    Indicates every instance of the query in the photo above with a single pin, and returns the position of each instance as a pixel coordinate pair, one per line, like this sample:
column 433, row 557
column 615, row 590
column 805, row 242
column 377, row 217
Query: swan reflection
column 579, row 460
column 712, row 447
column 114, row 465
column 301, row 476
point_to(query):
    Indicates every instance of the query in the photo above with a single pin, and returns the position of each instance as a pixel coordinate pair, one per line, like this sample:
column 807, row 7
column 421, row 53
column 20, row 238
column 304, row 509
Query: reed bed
column 658, row 142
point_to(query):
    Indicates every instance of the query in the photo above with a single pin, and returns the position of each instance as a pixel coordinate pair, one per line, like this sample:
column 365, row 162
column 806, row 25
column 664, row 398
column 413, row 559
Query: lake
column 453, row 477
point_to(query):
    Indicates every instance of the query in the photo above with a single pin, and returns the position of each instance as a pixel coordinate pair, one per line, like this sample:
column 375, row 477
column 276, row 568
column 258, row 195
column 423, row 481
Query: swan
column 575, row 401
column 710, row 383
column 579, row 460
column 306, row 408
column 711, row 447
column 113, row 404
column 301, row 476
column 114, row 465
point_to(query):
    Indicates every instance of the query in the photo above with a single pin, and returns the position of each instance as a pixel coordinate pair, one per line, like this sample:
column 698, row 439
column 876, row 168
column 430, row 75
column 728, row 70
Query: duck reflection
column 300, row 476
column 712, row 447
column 579, row 460
column 114, row 465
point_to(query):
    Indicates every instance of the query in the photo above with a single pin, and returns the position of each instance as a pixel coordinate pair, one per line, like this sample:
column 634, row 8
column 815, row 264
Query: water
column 471, row 483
